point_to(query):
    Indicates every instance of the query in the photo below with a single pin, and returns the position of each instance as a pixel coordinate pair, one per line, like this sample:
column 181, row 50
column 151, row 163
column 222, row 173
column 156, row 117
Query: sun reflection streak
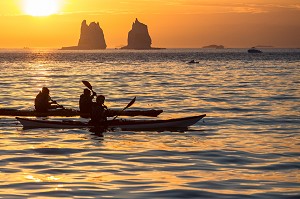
column 35, row 179
column 41, row 178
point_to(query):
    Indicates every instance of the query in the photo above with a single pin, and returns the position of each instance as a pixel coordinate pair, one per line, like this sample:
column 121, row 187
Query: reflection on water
column 246, row 147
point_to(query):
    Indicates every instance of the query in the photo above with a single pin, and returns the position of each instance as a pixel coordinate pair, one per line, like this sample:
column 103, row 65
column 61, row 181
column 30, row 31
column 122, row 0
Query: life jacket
column 98, row 114
column 85, row 103
column 41, row 102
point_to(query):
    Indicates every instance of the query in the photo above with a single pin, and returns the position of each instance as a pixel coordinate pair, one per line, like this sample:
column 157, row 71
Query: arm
column 92, row 96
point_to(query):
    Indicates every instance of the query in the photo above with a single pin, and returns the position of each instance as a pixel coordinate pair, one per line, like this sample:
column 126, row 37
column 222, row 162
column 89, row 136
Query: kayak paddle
column 55, row 102
column 87, row 84
column 128, row 105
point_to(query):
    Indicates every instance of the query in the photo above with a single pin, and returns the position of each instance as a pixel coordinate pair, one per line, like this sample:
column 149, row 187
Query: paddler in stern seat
column 43, row 101
column 98, row 113
column 86, row 101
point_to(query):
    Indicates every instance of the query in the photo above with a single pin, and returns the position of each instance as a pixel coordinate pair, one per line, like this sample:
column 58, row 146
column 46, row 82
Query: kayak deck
column 123, row 124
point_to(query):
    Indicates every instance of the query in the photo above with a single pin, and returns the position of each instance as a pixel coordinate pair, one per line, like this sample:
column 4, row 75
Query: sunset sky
column 171, row 24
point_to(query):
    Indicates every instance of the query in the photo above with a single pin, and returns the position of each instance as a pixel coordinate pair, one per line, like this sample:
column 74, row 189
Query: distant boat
column 254, row 50
column 193, row 62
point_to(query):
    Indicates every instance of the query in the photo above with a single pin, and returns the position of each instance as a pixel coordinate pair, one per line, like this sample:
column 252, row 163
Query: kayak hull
column 122, row 124
column 73, row 113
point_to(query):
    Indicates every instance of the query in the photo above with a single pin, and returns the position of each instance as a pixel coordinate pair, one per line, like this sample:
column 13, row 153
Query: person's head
column 45, row 90
column 100, row 99
column 86, row 91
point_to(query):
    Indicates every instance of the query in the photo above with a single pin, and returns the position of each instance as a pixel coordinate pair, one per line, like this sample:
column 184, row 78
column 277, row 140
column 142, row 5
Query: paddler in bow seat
column 98, row 112
column 86, row 101
column 43, row 101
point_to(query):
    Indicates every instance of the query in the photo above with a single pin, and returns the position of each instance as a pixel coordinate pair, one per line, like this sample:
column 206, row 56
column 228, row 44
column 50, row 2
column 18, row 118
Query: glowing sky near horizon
column 173, row 23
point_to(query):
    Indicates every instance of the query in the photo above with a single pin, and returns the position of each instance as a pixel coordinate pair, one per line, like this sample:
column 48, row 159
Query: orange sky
column 171, row 24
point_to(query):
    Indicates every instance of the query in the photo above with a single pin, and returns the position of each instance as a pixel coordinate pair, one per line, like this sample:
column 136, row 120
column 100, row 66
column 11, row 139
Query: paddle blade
column 87, row 84
column 130, row 103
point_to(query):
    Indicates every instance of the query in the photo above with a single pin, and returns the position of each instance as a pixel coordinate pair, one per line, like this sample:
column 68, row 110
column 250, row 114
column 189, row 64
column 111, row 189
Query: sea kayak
column 73, row 113
column 183, row 122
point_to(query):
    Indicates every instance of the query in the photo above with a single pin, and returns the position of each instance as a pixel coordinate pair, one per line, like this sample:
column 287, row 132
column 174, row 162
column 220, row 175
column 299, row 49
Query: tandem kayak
column 183, row 122
column 73, row 113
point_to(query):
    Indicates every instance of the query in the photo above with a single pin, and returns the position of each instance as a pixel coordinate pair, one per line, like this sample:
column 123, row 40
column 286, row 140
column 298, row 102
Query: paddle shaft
column 128, row 105
column 57, row 103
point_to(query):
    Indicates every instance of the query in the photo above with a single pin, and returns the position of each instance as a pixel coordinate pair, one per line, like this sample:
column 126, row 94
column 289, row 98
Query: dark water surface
column 248, row 146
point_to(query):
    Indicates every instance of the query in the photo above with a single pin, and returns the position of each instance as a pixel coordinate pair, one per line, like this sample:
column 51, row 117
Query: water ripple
column 246, row 147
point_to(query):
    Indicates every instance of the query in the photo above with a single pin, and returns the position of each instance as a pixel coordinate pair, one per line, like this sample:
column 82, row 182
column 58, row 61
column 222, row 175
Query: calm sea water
column 248, row 146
